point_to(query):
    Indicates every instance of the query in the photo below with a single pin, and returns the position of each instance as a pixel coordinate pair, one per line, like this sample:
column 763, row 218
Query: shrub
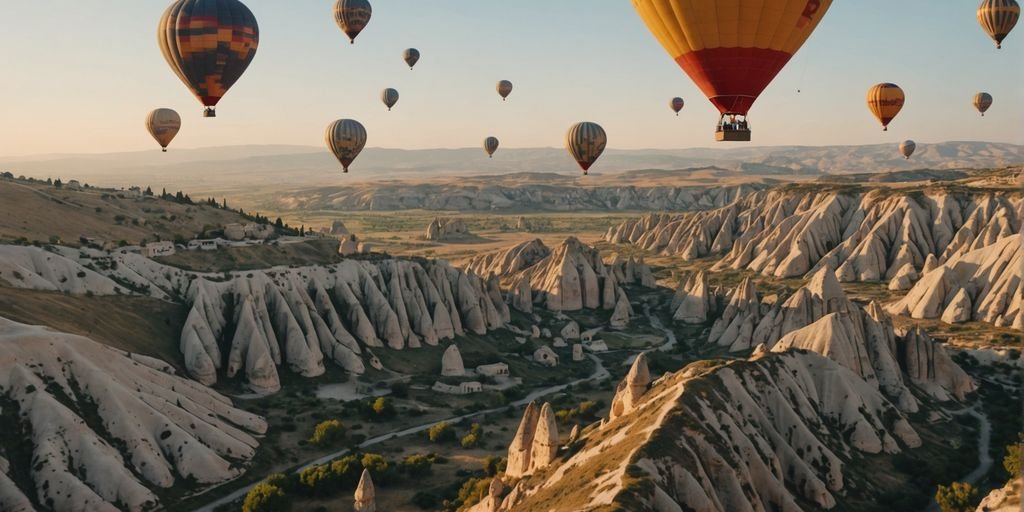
column 264, row 497
column 494, row 465
column 327, row 433
column 472, row 491
column 441, row 433
column 383, row 407
column 426, row 500
column 958, row 497
column 347, row 470
column 471, row 439
column 380, row 469
column 416, row 465
column 318, row 480
column 1012, row 460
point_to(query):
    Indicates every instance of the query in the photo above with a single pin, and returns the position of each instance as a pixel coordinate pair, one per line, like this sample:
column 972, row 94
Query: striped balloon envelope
column 982, row 101
column 504, row 88
column 585, row 142
column 352, row 16
column 411, row 57
column 209, row 44
column 677, row 105
column 732, row 49
column 163, row 124
column 907, row 148
column 997, row 18
column 885, row 101
column 346, row 138
column 490, row 146
column 389, row 97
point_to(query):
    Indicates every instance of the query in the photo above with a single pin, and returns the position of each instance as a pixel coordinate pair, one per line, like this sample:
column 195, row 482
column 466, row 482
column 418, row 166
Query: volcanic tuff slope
column 87, row 427
column 865, row 237
column 770, row 433
column 251, row 323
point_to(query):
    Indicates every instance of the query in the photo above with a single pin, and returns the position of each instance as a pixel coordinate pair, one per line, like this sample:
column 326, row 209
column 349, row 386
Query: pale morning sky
column 79, row 76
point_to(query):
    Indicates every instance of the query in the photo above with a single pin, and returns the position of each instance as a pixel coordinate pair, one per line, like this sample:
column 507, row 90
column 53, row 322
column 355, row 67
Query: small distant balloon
column 346, row 138
column 504, row 89
column 907, row 148
column 352, row 17
column 390, row 97
column 982, row 102
column 163, row 124
column 585, row 142
column 490, row 146
column 997, row 18
column 411, row 56
column 208, row 44
column 885, row 101
column 677, row 105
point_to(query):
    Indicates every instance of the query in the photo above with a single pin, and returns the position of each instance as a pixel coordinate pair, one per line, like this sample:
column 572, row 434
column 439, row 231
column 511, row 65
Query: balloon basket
column 732, row 136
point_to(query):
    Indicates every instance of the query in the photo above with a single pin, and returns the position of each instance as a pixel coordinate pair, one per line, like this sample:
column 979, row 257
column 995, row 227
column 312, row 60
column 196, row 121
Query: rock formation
column 631, row 388
column 706, row 439
column 985, row 285
column 100, row 427
column 251, row 323
column 535, row 445
column 622, row 313
column 571, row 331
column 930, row 367
column 577, row 352
column 509, row 260
column 693, row 302
column 904, row 278
column 451, row 362
column 735, row 328
column 365, row 499
column 440, row 230
column 338, row 228
column 865, row 237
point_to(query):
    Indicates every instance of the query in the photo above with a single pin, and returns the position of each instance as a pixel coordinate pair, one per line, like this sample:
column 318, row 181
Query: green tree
column 264, row 497
column 472, row 491
column 441, row 433
column 383, row 407
column 318, row 480
column 380, row 469
column 347, row 470
column 494, row 465
column 327, row 433
column 471, row 439
column 1013, row 456
column 416, row 465
column 957, row 497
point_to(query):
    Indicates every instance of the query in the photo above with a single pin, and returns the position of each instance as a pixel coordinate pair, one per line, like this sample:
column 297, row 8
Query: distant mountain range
column 245, row 168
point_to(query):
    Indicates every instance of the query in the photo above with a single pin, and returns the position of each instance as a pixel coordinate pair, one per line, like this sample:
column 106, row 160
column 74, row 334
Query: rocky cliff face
column 252, row 323
column 863, row 236
column 765, row 434
column 89, row 427
column 510, row 260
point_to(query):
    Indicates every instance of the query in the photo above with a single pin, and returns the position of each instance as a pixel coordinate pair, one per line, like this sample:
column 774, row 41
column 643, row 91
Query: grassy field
column 134, row 324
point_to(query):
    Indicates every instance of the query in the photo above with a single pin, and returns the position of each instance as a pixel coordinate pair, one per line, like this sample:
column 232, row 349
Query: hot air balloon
column 411, row 56
column 163, row 124
column 352, row 17
column 677, row 105
column 997, row 18
column 490, row 146
column 390, row 97
column 209, row 44
column 346, row 139
column 504, row 89
column 982, row 101
column 907, row 148
column 732, row 49
column 885, row 101
column 586, row 141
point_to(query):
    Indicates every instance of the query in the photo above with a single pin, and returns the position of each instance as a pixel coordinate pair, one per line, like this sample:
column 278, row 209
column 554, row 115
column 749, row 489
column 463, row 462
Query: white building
column 493, row 370
column 154, row 249
column 465, row 388
column 202, row 245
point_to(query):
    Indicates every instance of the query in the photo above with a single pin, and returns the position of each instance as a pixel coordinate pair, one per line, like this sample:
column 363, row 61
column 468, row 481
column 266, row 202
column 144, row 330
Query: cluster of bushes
column 328, row 480
column 586, row 410
column 460, row 495
column 373, row 409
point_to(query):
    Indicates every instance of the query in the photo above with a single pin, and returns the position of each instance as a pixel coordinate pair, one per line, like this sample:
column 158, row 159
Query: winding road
column 599, row 373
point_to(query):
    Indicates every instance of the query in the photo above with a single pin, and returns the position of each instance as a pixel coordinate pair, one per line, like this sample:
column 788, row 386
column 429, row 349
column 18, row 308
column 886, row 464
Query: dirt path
column 984, row 458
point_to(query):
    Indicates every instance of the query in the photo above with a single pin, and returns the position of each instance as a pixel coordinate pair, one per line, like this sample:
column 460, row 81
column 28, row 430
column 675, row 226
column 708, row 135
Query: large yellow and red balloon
column 997, row 18
column 732, row 49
